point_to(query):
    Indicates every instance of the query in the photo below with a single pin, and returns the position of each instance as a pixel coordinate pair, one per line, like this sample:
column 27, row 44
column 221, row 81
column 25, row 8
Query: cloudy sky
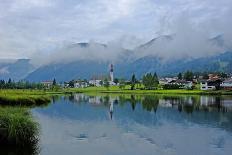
column 32, row 27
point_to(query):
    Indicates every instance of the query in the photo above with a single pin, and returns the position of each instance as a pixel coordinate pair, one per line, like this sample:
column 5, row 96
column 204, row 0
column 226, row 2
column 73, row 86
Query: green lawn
column 116, row 89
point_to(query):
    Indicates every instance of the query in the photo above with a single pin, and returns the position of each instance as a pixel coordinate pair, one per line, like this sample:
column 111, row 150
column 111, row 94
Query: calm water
column 136, row 125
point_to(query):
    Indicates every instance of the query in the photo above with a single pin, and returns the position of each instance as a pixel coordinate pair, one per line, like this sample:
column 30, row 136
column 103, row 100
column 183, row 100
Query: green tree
column 9, row 81
column 133, row 82
column 101, row 82
column 116, row 81
column 150, row 81
column 106, row 83
column 205, row 76
column 54, row 82
column 188, row 76
column 223, row 75
column 122, row 84
column 71, row 83
column 180, row 76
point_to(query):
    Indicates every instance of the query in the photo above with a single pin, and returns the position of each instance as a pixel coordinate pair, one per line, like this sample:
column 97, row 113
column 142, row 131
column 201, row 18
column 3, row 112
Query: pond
column 111, row 124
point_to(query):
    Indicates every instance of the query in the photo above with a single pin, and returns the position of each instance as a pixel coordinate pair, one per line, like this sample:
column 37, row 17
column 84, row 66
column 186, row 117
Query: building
column 227, row 84
column 80, row 84
column 183, row 84
column 47, row 84
column 210, row 84
column 96, row 83
column 111, row 73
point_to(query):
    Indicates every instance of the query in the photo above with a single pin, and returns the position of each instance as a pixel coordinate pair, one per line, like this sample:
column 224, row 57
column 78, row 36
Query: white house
column 47, row 84
column 95, row 82
column 80, row 84
column 210, row 84
column 206, row 86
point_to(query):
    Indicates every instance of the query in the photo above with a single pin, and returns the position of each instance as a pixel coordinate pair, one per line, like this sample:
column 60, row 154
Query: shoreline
column 150, row 92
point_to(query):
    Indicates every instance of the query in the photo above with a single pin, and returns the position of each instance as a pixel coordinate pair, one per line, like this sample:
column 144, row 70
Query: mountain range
column 124, row 68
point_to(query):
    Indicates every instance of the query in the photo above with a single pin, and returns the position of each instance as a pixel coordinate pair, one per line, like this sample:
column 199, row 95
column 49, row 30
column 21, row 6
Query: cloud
column 42, row 27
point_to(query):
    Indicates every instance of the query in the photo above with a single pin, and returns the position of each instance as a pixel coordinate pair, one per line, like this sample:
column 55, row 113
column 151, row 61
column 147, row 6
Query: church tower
column 111, row 72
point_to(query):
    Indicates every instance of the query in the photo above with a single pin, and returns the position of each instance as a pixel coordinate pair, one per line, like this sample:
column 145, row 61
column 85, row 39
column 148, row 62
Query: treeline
column 19, row 85
column 149, row 81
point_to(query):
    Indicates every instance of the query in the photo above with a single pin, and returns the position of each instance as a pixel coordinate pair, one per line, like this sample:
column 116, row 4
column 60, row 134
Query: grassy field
column 24, row 97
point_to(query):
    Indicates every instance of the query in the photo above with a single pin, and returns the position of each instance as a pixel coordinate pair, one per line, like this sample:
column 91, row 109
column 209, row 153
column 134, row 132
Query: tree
column 223, row 75
column 180, row 76
column 54, row 82
column 205, row 76
column 188, row 76
column 71, row 83
column 133, row 82
column 101, row 82
column 150, row 81
column 9, row 81
column 116, row 80
column 122, row 84
column 106, row 83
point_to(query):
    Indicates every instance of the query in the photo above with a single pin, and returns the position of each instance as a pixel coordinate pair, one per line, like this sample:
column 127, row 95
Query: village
column 211, row 81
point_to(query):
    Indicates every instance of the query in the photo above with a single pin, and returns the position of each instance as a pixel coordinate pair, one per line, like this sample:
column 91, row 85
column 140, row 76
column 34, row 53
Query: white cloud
column 32, row 27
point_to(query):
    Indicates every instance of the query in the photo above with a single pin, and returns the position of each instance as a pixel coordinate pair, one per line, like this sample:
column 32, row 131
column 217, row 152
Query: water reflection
column 150, row 103
column 137, row 124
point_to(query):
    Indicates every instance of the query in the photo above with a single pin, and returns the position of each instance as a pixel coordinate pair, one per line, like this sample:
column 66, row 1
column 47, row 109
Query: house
column 80, row 84
column 47, row 84
column 210, row 84
column 96, row 83
column 227, row 84
column 182, row 83
column 166, row 80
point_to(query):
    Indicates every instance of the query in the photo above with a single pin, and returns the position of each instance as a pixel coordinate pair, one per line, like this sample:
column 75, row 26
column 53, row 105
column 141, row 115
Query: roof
column 229, row 80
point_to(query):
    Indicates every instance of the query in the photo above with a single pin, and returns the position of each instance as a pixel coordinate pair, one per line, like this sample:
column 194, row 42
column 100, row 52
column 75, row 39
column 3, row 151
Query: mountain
column 86, row 62
column 221, row 62
column 86, row 69
column 15, row 69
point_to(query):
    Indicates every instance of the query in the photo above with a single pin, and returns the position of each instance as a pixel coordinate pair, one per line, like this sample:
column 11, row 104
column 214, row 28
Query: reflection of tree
column 150, row 102
column 133, row 102
column 55, row 98
column 180, row 107
column 106, row 100
column 188, row 108
column 71, row 98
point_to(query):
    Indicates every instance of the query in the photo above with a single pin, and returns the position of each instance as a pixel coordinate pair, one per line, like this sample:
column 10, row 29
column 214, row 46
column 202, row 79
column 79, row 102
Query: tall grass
column 17, row 127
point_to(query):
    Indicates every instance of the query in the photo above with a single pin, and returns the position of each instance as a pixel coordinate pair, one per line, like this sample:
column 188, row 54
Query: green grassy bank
column 115, row 89
column 18, row 130
column 17, row 127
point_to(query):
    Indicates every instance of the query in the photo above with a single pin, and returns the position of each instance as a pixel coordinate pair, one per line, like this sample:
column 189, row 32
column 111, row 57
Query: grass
column 17, row 127
column 18, row 130
column 116, row 89
column 23, row 98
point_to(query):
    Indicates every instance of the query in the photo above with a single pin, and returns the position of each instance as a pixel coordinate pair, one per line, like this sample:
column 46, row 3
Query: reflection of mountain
column 147, row 110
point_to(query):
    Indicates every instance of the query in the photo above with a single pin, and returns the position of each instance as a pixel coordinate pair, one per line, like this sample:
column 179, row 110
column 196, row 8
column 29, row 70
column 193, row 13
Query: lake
column 116, row 124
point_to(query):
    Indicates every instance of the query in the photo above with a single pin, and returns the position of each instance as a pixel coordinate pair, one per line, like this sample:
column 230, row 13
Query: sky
column 32, row 28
